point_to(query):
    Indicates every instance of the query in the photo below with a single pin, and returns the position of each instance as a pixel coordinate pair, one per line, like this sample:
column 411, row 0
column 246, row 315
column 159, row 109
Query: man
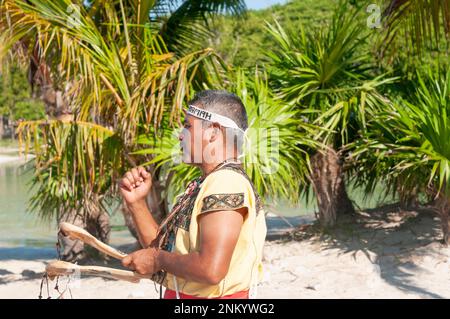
column 210, row 245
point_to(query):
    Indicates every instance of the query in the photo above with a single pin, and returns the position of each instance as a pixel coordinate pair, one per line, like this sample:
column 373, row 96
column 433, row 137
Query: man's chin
column 188, row 161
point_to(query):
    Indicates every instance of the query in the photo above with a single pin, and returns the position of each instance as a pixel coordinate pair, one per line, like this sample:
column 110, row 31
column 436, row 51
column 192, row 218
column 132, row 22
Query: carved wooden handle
column 76, row 232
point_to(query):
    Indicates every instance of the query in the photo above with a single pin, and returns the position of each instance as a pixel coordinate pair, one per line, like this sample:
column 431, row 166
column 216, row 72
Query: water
column 22, row 233
column 17, row 226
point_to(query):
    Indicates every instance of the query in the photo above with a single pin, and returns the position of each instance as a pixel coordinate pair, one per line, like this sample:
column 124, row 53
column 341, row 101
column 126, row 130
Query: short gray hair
column 226, row 104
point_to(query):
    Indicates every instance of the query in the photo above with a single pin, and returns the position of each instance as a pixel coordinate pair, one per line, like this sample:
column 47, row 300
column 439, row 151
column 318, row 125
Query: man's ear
column 215, row 132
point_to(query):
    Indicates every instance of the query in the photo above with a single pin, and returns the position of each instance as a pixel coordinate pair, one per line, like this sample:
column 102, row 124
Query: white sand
column 385, row 256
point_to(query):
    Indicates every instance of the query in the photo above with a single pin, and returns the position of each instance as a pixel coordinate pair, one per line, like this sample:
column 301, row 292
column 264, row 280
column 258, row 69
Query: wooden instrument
column 62, row 268
column 76, row 232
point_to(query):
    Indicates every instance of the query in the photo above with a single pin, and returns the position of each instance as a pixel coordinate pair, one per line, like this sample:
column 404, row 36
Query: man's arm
column 219, row 233
column 146, row 225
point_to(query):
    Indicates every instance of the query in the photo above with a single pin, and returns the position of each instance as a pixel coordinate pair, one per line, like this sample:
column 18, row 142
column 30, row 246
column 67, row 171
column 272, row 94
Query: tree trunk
column 96, row 223
column 329, row 186
column 129, row 222
column 157, row 203
column 409, row 198
column 71, row 250
column 99, row 226
column 1, row 127
column 40, row 77
column 443, row 207
column 12, row 129
column 445, row 222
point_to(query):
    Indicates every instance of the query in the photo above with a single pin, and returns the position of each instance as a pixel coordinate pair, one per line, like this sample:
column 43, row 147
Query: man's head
column 213, row 128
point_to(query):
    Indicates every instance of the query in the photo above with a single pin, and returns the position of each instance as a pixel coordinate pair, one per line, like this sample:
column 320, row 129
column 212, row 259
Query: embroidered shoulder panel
column 238, row 169
column 223, row 202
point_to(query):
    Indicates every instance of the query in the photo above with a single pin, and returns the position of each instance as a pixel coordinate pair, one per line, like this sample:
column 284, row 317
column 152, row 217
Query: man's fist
column 144, row 261
column 135, row 185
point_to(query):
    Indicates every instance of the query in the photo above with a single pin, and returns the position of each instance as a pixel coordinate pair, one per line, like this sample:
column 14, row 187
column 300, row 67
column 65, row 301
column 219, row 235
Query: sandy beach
column 387, row 254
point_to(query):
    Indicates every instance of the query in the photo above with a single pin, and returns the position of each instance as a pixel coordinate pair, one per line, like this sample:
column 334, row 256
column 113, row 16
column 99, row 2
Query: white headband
column 212, row 117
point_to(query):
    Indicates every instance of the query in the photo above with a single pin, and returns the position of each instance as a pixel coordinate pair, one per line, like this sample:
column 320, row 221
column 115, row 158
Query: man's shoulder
column 228, row 174
column 226, row 181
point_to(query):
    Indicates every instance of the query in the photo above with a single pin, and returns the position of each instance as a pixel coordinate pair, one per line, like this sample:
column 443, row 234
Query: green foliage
column 29, row 110
column 406, row 145
column 131, row 66
column 15, row 99
column 186, row 24
column 279, row 143
column 74, row 154
column 327, row 71
column 242, row 41
column 317, row 67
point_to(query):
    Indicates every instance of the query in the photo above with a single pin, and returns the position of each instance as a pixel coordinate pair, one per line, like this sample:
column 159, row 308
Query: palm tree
column 115, row 78
column 327, row 72
column 406, row 146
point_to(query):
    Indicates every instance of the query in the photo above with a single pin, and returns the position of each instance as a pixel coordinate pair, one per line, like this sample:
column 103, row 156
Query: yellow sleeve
column 225, row 190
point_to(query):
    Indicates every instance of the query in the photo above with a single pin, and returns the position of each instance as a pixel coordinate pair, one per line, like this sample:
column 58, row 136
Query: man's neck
column 209, row 167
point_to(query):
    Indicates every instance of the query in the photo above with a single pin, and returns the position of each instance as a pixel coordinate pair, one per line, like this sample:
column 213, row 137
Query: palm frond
column 407, row 143
column 68, row 155
column 186, row 23
column 329, row 71
column 279, row 140
column 307, row 66
column 418, row 20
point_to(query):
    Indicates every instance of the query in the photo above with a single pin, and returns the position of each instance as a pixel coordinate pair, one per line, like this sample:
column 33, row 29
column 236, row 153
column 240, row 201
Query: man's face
column 200, row 141
column 191, row 140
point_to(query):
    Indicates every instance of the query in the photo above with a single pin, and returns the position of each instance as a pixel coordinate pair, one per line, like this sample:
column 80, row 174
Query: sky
column 260, row 4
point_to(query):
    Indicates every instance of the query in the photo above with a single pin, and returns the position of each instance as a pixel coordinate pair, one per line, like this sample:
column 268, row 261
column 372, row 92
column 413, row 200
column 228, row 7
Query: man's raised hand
column 135, row 185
